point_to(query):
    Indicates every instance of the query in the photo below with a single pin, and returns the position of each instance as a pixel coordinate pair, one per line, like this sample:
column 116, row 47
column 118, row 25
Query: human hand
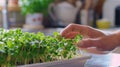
column 106, row 43
column 94, row 38
column 88, row 32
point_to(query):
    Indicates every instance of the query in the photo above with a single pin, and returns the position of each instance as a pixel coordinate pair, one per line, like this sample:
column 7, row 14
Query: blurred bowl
column 103, row 24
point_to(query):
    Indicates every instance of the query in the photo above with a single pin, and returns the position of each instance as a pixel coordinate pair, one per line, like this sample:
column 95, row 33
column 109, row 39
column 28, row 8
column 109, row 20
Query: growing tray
column 77, row 62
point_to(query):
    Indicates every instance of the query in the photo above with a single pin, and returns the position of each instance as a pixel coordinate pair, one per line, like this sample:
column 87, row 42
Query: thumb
column 86, row 43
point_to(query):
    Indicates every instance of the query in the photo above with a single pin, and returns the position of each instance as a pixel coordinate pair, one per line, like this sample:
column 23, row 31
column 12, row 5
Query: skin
column 92, row 37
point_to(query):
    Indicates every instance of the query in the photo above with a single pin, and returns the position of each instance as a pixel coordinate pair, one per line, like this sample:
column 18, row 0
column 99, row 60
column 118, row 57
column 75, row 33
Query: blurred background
column 42, row 14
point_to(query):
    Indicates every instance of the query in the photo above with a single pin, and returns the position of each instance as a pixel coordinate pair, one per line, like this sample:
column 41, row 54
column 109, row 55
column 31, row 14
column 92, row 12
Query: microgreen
column 20, row 48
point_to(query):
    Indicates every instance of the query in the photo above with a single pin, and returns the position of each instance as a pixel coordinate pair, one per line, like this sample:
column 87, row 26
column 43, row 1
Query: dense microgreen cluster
column 20, row 48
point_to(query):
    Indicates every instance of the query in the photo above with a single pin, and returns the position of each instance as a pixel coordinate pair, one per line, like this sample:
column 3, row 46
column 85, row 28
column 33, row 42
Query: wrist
column 112, row 41
column 117, row 37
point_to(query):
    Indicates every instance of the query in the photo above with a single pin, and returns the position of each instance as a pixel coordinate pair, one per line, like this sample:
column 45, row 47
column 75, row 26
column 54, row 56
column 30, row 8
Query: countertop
column 46, row 31
column 107, row 60
column 51, row 30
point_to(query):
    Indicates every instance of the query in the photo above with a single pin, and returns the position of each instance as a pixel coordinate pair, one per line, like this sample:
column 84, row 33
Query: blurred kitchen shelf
column 12, row 8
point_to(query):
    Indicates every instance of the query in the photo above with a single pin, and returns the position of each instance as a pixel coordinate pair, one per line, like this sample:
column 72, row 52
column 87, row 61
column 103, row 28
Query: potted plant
column 34, row 11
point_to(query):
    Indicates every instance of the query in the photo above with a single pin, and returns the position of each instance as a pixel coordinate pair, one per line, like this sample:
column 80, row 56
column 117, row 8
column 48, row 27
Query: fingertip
column 63, row 33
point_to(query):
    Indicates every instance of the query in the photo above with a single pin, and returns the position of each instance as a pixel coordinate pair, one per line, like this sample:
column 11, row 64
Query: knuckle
column 87, row 27
column 71, row 25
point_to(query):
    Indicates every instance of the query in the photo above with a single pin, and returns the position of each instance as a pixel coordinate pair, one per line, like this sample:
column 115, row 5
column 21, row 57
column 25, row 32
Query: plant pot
column 34, row 21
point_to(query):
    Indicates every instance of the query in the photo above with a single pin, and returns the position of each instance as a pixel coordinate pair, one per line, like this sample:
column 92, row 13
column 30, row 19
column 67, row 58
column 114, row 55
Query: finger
column 66, row 30
column 74, row 28
column 86, row 43
column 72, row 35
column 94, row 50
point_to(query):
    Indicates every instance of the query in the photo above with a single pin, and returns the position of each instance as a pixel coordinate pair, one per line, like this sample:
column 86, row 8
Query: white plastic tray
column 77, row 62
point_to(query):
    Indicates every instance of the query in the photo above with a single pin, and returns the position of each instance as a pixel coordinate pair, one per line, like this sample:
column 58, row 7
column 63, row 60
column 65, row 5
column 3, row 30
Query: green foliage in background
column 35, row 6
column 20, row 48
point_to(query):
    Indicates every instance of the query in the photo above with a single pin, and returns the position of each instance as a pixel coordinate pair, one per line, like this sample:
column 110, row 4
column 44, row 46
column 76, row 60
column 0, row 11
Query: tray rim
column 53, row 63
